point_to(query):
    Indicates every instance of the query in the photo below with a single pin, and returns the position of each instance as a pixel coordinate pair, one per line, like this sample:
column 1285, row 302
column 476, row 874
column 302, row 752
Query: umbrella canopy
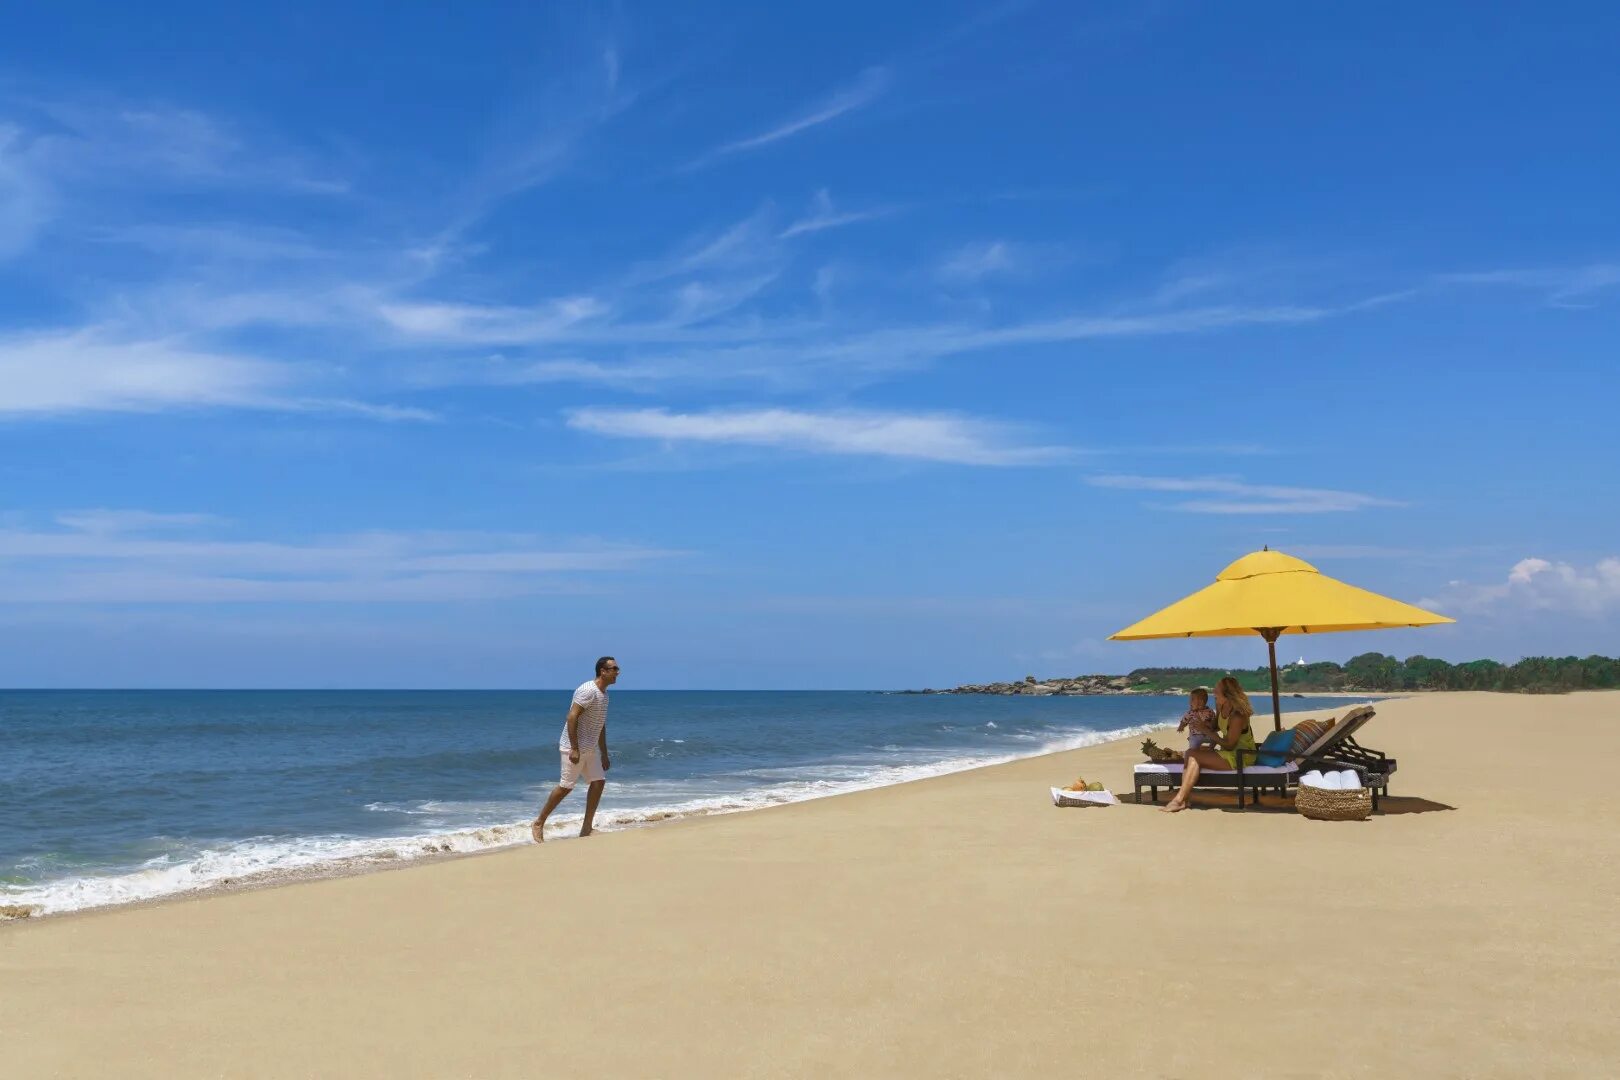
column 1271, row 594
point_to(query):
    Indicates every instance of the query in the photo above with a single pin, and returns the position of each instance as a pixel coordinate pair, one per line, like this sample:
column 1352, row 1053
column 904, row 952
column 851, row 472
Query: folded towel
column 1065, row 797
column 1341, row 780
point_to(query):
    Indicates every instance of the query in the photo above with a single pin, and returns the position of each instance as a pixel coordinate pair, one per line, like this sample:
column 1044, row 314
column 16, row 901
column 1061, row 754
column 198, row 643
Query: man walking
column 583, row 747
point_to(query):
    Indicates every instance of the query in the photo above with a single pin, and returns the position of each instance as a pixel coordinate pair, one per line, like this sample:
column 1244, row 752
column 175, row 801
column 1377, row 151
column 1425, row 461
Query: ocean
column 108, row 797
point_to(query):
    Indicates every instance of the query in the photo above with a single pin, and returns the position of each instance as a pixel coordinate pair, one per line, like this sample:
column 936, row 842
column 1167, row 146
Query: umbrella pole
column 1276, row 697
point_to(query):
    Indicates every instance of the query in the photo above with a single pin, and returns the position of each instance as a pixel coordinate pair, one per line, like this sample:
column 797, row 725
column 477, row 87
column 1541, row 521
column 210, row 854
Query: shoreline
column 433, row 848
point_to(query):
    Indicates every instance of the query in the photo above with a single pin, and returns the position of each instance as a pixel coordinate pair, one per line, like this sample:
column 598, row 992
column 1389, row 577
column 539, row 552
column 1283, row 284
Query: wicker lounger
column 1250, row 779
column 1338, row 749
column 1335, row 748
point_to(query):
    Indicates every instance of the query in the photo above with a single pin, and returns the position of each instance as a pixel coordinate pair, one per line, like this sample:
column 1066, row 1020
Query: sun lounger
column 1335, row 748
column 1248, row 779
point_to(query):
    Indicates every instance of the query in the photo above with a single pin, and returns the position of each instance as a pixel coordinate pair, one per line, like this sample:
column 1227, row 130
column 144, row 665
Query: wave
column 264, row 860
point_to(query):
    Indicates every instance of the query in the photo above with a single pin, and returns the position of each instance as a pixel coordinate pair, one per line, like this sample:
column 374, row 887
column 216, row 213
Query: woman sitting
column 1232, row 712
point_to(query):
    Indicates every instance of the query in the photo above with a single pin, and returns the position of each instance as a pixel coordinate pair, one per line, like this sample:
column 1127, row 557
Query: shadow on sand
column 1388, row 806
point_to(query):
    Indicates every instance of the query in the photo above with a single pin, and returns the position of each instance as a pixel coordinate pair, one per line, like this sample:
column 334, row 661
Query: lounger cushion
column 1174, row 768
column 1276, row 748
column 1348, row 724
column 1307, row 732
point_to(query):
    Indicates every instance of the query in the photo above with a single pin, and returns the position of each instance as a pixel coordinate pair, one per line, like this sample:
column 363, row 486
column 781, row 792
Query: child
column 1199, row 720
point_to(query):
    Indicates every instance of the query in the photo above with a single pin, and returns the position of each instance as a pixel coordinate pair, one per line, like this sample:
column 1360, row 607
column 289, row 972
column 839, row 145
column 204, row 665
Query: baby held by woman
column 1199, row 720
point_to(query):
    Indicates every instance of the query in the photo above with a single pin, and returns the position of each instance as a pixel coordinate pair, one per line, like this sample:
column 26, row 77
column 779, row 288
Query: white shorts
column 589, row 768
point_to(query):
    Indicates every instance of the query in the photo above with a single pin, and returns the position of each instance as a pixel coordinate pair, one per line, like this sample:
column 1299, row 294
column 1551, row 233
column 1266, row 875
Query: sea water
column 112, row 796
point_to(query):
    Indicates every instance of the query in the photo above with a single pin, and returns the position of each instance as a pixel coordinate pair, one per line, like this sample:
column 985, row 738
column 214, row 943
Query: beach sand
column 957, row 926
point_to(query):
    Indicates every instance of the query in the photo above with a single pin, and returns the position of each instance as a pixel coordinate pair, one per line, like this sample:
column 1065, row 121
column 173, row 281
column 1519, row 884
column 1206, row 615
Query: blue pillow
column 1274, row 751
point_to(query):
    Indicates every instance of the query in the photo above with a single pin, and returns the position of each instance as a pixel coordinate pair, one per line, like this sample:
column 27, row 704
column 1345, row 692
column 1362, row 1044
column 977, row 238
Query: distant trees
column 1378, row 672
column 1375, row 671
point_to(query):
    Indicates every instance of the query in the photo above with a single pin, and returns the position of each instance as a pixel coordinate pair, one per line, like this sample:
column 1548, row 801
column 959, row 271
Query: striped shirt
column 593, row 702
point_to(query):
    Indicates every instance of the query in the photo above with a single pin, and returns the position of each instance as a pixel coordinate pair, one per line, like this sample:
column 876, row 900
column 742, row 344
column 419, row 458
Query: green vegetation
column 1377, row 672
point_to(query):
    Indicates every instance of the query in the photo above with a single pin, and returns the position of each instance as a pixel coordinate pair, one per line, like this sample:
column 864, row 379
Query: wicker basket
column 1326, row 804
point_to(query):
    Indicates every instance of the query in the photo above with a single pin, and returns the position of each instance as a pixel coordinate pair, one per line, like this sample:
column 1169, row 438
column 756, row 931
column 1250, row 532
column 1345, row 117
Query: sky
column 794, row 346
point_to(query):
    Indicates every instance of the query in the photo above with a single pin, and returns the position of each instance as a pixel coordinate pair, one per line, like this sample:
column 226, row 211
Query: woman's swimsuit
column 1245, row 742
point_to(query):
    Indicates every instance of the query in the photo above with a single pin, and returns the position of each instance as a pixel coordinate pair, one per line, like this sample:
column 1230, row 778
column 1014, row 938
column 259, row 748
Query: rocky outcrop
column 1033, row 687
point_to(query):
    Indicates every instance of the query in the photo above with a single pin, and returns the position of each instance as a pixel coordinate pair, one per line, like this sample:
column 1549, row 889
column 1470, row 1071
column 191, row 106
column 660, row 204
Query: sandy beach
column 956, row 926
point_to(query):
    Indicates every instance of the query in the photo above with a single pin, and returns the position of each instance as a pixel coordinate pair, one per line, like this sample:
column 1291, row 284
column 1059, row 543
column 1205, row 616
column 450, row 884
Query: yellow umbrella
column 1271, row 594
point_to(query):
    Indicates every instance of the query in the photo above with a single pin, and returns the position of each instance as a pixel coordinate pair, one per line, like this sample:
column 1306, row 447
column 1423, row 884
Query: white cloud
column 366, row 410
column 136, row 556
column 500, row 370
column 537, row 135
column 822, row 216
column 69, row 154
column 1237, row 497
column 973, row 262
column 475, row 324
column 918, row 436
column 1539, row 585
column 1564, row 286
column 78, row 371
column 743, row 246
column 174, row 146
column 219, row 241
column 871, row 85
column 86, row 371
column 25, row 203
column 105, row 522
column 714, row 310
column 798, row 353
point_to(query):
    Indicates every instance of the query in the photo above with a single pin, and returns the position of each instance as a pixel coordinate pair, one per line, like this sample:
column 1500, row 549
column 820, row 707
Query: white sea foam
column 264, row 859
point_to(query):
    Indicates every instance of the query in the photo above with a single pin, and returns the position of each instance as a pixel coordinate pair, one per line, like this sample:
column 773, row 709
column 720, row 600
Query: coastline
column 403, row 852
column 959, row 925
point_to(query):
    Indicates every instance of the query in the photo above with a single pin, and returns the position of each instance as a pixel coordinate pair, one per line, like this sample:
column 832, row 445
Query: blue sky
column 762, row 346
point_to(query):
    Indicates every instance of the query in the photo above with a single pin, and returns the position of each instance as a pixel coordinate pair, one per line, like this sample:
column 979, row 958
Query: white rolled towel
column 1348, row 780
column 1312, row 778
column 1332, row 781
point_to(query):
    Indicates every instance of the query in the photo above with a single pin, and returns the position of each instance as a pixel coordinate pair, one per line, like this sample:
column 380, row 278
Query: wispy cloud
column 25, row 199
column 688, row 317
column 940, row 437
column 1563, row 286
column 216, row 241
column 94, row 370
column 539, row 133
column 86, row 371
column 1538, row 585
column 64, row 160
column 279, row 314
column 743, row 244
column 488, row 325
column 103, row 522
column 1232, row 496
column 973, row 262
column 99, row 145
column 867, row 88
column 823, row 215
column 137, row 556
